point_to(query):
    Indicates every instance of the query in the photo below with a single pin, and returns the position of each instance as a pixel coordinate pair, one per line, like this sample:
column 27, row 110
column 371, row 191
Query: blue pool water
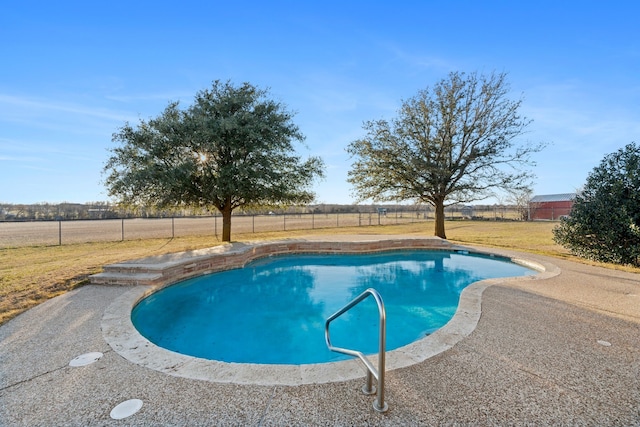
column 274, row 309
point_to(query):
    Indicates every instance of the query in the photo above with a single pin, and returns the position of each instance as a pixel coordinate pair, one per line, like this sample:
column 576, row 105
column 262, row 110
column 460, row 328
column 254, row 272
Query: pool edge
column 120, row 333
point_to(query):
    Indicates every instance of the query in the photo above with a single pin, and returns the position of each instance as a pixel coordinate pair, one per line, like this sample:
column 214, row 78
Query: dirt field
column 49, row 233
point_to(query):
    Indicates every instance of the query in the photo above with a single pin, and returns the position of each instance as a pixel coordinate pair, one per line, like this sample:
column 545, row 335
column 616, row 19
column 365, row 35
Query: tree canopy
column 453, row 143
column 232, row 147
column 604, row 224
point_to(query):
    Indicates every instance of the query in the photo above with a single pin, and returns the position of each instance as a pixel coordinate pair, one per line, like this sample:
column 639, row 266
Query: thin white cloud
column 597, row 126
column 21, row 159
column 336, row 94
column 418, row 60
column 168, row 97
column 574, row 111
column 31, row 151
column 334, row 101
column 59, row 122
column 10, row 103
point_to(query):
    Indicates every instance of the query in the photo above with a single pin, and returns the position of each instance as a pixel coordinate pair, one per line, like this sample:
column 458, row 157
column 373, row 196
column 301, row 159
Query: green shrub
column 604, row 224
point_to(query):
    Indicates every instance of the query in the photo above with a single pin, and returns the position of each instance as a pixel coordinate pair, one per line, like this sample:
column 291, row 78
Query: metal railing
column 379, row 404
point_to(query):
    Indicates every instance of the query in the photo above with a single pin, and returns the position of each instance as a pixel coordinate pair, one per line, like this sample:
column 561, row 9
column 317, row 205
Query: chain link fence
column 61, row 232
column 34, row 233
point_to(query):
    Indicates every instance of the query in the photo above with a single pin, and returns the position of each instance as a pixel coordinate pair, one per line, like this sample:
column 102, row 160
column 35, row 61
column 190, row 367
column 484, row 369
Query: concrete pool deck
column 563, row 350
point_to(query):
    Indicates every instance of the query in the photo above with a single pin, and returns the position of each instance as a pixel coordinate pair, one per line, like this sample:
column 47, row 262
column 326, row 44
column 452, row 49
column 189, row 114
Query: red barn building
column 551, row 206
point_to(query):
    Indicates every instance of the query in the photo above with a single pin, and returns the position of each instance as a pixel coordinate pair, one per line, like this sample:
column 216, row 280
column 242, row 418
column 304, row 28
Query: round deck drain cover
column 604, row 343
column 126, row 409
column 85, row 359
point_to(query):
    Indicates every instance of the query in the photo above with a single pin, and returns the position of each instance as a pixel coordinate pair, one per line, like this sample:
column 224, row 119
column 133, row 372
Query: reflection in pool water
column 273, row 310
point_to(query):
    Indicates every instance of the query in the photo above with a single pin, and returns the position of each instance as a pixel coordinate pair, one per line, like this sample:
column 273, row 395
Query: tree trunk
column 226, row 223
column 439, row 231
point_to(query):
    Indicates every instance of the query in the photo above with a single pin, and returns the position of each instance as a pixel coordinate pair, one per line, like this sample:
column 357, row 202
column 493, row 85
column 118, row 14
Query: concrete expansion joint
column 613, row 313
column 267, row 406
column 595, row 396
column 50, row 371
column 546, row 380
column 7, row 387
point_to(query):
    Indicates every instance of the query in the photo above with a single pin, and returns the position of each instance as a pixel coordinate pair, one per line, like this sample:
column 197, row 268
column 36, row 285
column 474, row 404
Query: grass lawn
column 31, row 275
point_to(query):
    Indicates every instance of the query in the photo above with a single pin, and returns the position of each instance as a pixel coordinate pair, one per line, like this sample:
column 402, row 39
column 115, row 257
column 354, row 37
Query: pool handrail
column 379, row 404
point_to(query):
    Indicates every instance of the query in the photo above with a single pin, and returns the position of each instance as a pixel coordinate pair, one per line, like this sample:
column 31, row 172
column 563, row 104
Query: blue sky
column 73, row 72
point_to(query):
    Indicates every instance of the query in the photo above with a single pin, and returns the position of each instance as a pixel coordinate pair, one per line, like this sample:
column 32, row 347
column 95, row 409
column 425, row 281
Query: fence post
column 337, row 219
column 122, row 229
column 173, row 228
column 313, row 220
column 253, row 223
column 59, row 232
column 284, row 222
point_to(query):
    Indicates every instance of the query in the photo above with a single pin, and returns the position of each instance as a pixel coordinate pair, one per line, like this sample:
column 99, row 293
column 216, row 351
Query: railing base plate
column 370, row 391
column 384, row 408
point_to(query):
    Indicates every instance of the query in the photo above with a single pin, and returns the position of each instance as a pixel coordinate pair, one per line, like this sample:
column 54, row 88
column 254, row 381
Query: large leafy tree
column 604, row 224
column 232, row 147
column 453, row 143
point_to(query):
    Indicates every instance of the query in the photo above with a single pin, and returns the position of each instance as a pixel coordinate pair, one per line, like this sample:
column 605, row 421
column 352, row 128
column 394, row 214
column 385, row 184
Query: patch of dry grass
column 31, row 275
column 526, row 236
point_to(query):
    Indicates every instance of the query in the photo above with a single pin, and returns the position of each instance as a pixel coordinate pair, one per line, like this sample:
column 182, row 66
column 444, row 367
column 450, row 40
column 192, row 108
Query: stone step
column 126, row 278
column 170, row 268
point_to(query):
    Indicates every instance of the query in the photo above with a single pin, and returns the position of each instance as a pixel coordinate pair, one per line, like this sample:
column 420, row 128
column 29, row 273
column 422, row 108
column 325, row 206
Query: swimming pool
column 272, row 311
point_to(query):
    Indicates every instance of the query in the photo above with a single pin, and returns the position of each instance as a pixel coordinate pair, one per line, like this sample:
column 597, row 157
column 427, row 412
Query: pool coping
column 120, row 333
